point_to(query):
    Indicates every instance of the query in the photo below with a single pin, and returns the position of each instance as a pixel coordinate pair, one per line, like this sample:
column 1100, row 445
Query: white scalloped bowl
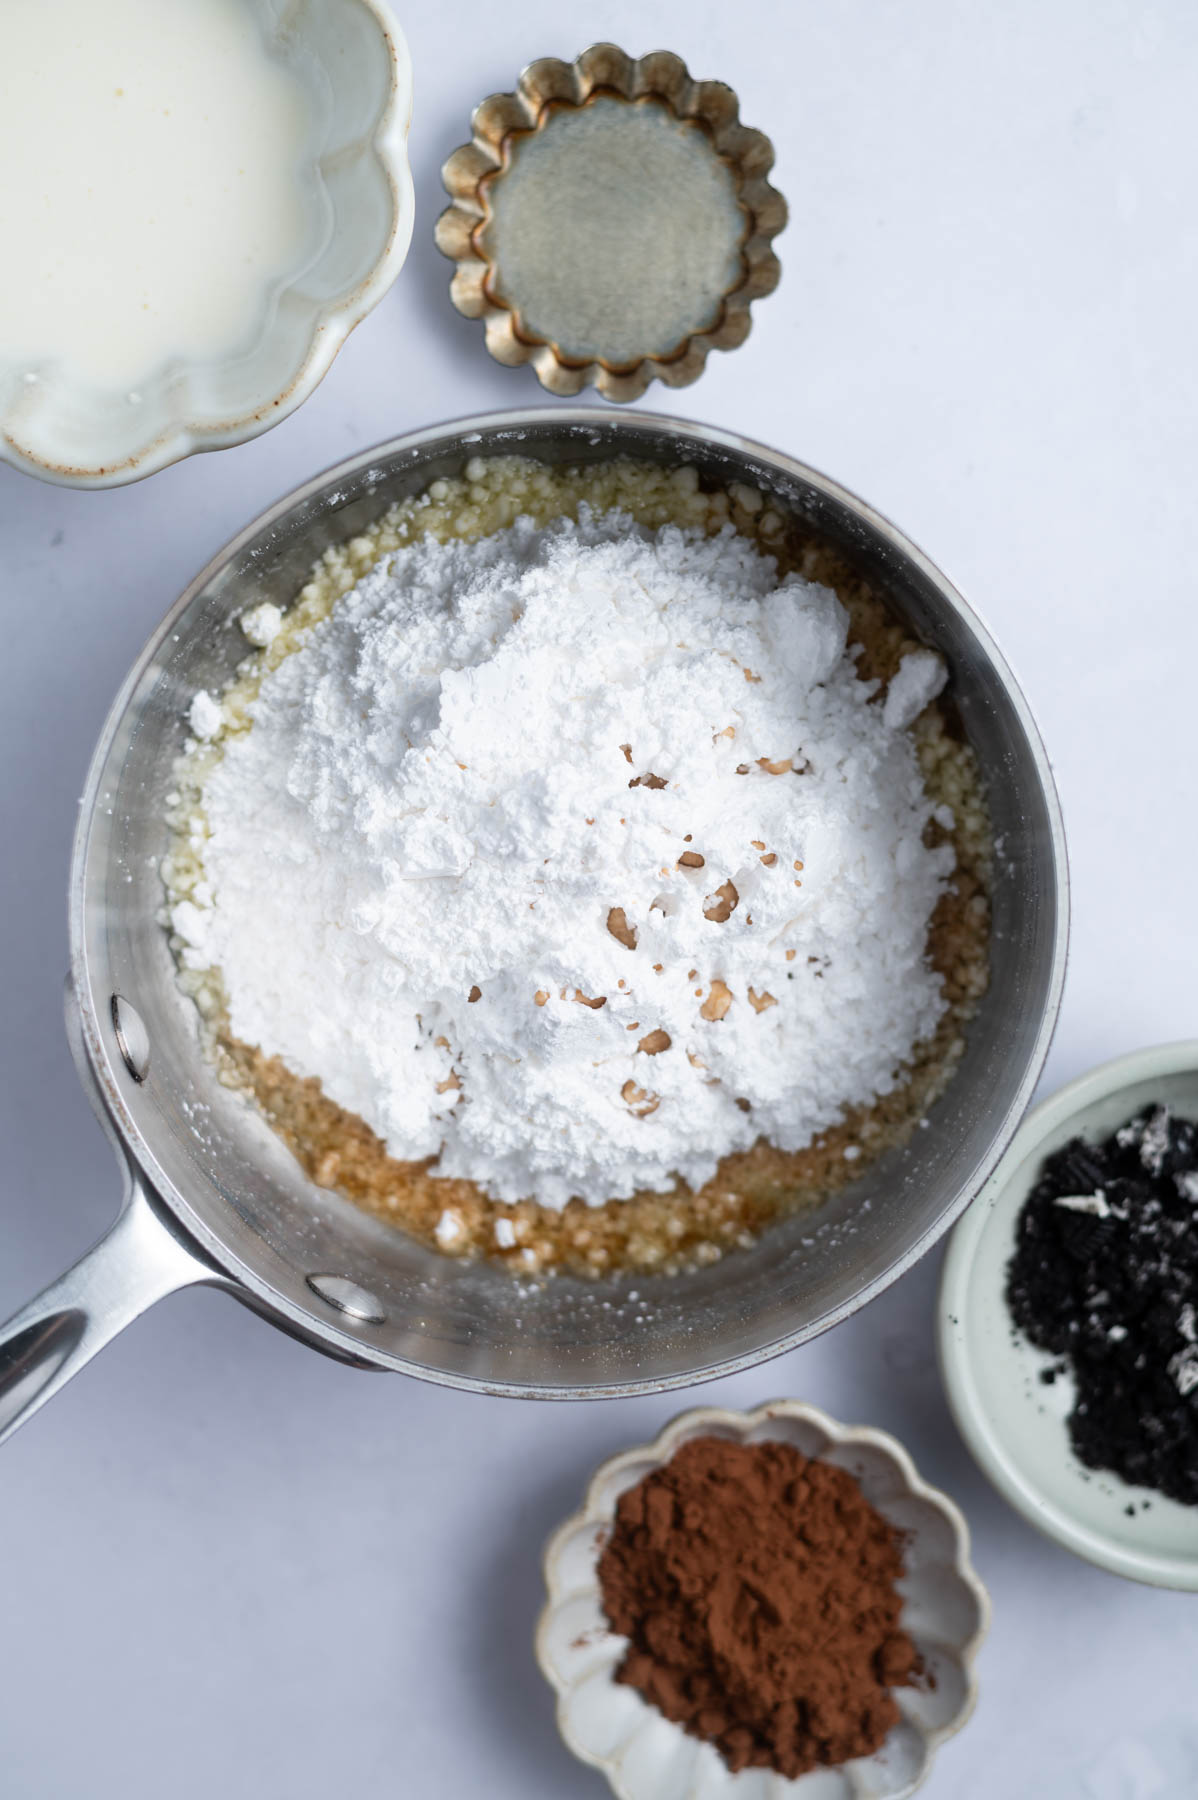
column 351, row 57
column 646, row 1756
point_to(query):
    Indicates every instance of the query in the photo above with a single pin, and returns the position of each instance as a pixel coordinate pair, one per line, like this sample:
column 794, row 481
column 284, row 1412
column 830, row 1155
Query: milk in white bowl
column 151, row 153
column 189, row 190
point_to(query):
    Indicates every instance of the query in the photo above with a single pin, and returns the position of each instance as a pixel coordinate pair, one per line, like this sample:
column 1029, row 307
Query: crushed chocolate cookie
column 1105, row 1275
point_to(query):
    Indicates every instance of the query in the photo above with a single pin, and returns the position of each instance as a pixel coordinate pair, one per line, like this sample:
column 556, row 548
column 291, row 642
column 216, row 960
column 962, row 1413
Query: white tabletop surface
column 232, row 1567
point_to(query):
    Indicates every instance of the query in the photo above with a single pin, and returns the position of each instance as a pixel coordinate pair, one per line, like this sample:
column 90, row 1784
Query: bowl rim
column 1003, row 1469
column 508, row 429
column 331, row 323
column 696, row 1421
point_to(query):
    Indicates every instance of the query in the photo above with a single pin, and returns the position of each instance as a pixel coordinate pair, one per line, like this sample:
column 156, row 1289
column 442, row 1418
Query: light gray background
column 231, row 1567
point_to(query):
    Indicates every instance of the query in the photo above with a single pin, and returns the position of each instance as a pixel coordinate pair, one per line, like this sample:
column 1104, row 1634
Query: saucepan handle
column 140, row 1260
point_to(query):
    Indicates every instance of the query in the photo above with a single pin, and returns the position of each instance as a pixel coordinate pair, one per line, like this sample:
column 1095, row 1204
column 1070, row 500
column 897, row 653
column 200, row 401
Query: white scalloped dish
column 647, row 1757
column 349, row 59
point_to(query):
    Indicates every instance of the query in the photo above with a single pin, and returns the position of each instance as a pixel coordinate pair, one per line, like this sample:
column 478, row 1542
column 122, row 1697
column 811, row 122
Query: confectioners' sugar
column 576, row 857
column 261, row 624
column 204, row 715
column 919, row 678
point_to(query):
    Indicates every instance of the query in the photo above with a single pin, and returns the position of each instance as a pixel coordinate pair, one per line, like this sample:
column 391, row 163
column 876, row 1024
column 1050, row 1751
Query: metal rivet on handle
column 133, row 1040
column 345, row 1296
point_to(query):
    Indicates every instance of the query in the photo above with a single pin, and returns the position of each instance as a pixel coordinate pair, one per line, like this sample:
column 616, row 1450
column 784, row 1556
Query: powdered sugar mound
column 261, row 624
column 626, row 789
column 919, row 677
column 204, row 715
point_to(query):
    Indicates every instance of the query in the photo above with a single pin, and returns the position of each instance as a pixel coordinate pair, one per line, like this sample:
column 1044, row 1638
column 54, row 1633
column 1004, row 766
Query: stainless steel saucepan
column 212, row 1196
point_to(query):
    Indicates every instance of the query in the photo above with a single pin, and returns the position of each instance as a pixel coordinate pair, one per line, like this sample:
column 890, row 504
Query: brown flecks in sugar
column 721, row 905
column 620, row 929
column 717, row 1002
column 639, row 1100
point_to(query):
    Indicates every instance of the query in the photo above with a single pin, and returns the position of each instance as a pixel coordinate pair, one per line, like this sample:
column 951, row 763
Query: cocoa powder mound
column 757, row 1588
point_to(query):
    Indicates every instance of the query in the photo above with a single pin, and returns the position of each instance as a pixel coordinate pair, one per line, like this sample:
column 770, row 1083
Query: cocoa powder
column 757, row 1589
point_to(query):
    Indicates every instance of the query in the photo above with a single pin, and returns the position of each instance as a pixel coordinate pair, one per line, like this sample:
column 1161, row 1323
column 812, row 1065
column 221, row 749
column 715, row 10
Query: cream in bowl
column 161, row 191
column 188, row 200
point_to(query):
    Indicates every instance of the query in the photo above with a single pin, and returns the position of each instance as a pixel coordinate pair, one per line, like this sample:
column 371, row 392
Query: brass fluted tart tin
column 612, row 222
